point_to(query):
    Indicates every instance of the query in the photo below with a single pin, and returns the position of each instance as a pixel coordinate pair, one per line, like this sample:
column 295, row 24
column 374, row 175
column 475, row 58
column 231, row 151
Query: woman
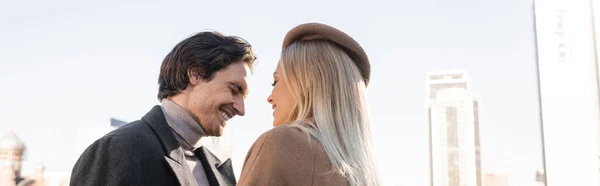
column 321, row 134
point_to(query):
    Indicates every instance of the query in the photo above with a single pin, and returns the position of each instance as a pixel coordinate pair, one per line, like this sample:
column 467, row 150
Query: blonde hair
column 329, row 94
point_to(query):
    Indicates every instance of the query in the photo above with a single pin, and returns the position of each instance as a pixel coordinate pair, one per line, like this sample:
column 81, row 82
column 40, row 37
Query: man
column 202, row 84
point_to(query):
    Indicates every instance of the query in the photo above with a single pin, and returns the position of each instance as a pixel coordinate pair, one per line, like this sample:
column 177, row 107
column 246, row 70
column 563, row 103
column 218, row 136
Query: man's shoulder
column 134, row 128
column 130, row 154
column 132, row 136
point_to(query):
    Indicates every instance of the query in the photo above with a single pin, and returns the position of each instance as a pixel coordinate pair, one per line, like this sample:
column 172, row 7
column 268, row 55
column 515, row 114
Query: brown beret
column 314, row 31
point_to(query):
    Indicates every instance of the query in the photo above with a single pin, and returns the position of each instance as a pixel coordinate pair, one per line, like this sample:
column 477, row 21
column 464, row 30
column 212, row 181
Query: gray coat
column 145, row 152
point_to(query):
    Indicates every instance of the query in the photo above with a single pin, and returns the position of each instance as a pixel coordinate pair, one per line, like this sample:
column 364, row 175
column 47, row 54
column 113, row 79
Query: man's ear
column 194, row 76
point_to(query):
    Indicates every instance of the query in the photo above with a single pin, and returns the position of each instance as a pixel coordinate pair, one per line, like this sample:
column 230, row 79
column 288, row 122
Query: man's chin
column 218, row 132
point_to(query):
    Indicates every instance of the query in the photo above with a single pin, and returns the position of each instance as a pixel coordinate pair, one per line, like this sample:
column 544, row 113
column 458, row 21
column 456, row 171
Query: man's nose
column 239, row 107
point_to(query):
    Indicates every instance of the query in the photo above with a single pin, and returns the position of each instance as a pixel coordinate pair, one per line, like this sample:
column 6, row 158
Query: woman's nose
column 270, row 99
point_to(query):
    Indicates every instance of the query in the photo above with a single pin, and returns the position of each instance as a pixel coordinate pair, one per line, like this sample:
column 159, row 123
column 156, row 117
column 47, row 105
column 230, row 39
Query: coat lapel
column 174, row 153
column 218, row 174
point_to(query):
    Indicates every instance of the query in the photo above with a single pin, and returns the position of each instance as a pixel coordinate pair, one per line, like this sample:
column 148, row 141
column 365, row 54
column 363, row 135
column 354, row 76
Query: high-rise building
column 453, row 122
column 567, row 45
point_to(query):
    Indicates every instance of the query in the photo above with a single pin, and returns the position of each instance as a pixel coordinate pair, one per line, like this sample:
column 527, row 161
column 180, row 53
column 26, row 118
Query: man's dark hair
column 202, row 54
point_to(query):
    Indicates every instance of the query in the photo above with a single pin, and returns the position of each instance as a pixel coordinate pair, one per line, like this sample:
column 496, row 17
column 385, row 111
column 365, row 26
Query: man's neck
column 182, row 124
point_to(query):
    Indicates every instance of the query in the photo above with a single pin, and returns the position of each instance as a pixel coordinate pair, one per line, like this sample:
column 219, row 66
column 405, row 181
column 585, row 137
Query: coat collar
column 173, row 151
column 218, row 173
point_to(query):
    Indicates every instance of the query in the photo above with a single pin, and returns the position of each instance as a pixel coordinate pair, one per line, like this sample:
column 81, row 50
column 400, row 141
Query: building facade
column 12, row 151
column 453, row 122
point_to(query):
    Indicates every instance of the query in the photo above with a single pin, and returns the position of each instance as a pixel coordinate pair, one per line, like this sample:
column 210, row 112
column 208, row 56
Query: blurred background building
column 567, row 49
column 492, row 179
column 12, row 155
column 540, row 177
column 453, row 121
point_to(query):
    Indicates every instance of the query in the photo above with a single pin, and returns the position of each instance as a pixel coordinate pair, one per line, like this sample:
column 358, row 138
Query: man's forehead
column 237, row 71
column 237, row 74
column 244, row 70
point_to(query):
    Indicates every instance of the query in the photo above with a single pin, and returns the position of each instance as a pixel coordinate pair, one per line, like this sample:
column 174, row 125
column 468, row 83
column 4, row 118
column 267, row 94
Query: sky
column 67, row 64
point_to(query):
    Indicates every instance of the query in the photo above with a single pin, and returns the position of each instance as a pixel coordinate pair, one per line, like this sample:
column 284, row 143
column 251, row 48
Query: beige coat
column 285, row 155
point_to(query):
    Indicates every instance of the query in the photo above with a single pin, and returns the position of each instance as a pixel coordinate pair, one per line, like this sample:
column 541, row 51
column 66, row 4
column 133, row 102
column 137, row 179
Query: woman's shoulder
column 283, row 155
column 287, row 137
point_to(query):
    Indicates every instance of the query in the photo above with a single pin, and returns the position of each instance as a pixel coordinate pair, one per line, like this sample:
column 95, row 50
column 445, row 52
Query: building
column 11, row 158
column 567, row 42
column 453, row 123
column 540, row 177
column 496, row 179
column 117, row 123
